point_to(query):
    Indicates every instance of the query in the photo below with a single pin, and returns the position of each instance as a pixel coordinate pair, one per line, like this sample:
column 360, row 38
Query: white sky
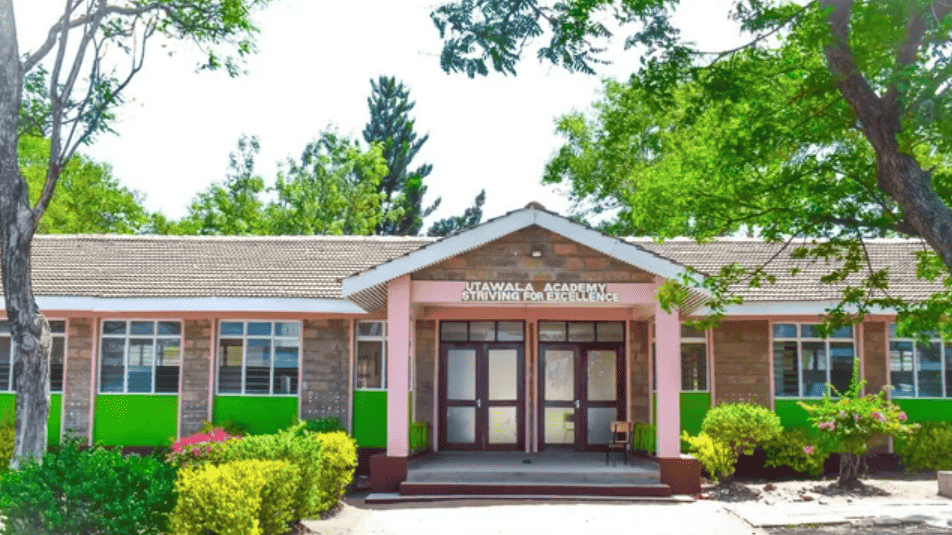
column 315, row 62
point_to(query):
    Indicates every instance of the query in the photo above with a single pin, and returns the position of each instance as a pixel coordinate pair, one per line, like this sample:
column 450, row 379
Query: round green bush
column 927, row 448
column 742, row 426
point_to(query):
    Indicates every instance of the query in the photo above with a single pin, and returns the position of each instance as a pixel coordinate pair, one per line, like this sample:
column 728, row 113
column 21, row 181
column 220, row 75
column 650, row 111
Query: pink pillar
column 398, row 366
column 668, row 372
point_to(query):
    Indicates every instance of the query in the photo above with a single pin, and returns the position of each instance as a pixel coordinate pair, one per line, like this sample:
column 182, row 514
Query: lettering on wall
column 554, row 292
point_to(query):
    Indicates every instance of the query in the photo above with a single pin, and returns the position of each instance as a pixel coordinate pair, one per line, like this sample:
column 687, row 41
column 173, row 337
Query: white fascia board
column 198, row 304
column 439, row 251
column 487, row 232
column 787, row 308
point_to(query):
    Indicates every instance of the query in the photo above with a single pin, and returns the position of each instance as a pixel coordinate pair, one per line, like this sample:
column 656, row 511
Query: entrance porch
column 560, row 473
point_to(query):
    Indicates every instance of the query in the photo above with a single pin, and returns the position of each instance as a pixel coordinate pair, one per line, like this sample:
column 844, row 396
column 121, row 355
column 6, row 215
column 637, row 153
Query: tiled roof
column 312, row 266
column 197, row 266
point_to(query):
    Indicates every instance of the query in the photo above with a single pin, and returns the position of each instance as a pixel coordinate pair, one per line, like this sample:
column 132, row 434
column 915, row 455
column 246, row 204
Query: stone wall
column 874, row 356
column 77, row 382
column 639, row 388
column 741, row 362
column 193, row 403
column 425, row 365
column 325, row 366
column 509, row 259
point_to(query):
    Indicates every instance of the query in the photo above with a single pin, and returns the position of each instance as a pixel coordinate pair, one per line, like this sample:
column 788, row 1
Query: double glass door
column 482, row 396
column 582, row 392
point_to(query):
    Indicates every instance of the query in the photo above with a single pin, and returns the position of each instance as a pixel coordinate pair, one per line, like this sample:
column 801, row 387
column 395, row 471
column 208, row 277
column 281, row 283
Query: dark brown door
column 582, row 388
column 482, row 400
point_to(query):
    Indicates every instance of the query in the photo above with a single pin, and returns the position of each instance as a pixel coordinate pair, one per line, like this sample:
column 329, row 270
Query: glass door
column 560, row 396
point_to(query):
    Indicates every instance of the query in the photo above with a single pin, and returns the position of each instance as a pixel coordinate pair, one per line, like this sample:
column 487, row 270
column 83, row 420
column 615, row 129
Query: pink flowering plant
column 200, row 448
column 849, row 421
column 799, row 448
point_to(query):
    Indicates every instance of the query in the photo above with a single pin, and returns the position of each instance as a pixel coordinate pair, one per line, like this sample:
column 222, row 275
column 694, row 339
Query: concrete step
column 394, row 498
column 408, row 488
column 534, row 477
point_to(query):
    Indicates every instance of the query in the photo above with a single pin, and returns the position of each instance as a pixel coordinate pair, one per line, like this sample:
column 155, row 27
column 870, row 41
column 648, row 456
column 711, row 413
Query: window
column 371, row 361
column 581, row 331
column 140, row 357
column 804, row 362
column 693, row 360
column 258, row 357
column 483, row 331
column 917, row 369
column 7, row 382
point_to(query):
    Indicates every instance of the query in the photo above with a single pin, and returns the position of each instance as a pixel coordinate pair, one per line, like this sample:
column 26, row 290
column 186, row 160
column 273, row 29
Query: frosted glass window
column 552, row 331
column 503, row 428
column 600, row 424
column 581, row 332
column 559, row 425
column 503, row 374
column 461, row 425
column 510, row 331
column 602, row 381
column 453, row 331
column 482, row 331
column 559, row 375
column 461, row 374
column 610, row 332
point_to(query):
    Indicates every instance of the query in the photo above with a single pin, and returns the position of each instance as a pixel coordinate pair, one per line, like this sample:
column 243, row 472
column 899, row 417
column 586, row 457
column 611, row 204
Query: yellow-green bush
column 236, row 498
column 338, row 461
column 7, row 436
column 715, row 456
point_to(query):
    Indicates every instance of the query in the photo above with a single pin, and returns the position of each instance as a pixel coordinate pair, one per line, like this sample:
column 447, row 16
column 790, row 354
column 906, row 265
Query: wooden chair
column 620, row 439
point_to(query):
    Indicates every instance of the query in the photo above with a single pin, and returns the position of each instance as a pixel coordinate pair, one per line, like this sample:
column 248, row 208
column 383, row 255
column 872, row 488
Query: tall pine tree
column 392, row 128
column 470, row 218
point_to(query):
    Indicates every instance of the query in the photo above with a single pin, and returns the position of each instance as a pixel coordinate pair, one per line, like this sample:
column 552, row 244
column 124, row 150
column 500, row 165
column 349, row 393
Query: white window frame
column 244, row 337
column 9, row 335
column 125, row 353
column 382, row 338
column 799, row 339
column 943, row 351
column 707, row 363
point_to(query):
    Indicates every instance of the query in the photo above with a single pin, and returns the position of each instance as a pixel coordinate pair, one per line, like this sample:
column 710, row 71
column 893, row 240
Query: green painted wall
column 135, row 420
column 791, row 413
column 370, row 418
column 694, row 407
column 8, row 411
column 927, row 410
column 260, row 415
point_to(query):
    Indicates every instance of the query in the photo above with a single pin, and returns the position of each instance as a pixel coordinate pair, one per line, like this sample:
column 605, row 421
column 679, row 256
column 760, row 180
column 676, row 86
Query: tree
column 92, row 53
column 233, row 207
column 391, row 127
column 841, row 106
column 470, row 218
column 333, row 189
column 89, row 199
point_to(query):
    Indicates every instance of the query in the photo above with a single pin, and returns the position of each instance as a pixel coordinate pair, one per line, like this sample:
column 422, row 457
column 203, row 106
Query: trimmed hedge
column 929, row 447
column 338, row 462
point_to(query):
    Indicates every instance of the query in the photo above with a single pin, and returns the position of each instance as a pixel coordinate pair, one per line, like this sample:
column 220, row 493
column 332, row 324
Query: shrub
column 90, row 491
column 236, row 498
column 291, row 445
column 716, row 457
column 644, row 437
column 7, row 437
column 231, row 427
column 328, row 424
column 200, row 448
column 928, row 448
column 798, row 448
column 338, row 461
column 853, row 420
column 741, row 426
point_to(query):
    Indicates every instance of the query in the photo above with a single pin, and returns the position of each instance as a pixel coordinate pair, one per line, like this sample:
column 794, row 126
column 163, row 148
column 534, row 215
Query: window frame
column 382, row 339
column 681, row 340
column 64, row 335
column 707, row 362
column 944, row 357
column 244, row 337
column 799, row 340
column 125, row 354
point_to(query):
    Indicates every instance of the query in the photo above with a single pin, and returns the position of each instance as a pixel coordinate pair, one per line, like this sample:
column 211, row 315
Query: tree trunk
column 852, row 467
column 30, row 330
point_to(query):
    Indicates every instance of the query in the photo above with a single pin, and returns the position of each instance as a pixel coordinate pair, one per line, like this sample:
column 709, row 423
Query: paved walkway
column 936, row 513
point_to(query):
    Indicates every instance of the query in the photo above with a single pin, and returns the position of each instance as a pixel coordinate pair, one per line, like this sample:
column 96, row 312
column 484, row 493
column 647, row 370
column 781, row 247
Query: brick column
column 194, row 398
column 78, row 380
column 425, row 365
column 742, row 362
column 325, row 359
column 639, row 388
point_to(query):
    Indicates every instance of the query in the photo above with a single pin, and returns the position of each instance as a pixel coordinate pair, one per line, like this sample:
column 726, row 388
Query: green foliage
column 231, row 427
column 7, row 438
column 291, row 445
column 88, row 491
column 927, row 448
column 338, row 462
column 644, row 438
column 236, row 498
column 741, row 426
column 800, row 449
column 88, row 198
column 391, row 128
column 470, row 218
column 717, row 458
column 327, row 424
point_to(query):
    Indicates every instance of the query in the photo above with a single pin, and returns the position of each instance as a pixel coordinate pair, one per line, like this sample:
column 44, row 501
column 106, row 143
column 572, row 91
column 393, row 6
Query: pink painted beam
column 398, row 366
column 668, row 372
